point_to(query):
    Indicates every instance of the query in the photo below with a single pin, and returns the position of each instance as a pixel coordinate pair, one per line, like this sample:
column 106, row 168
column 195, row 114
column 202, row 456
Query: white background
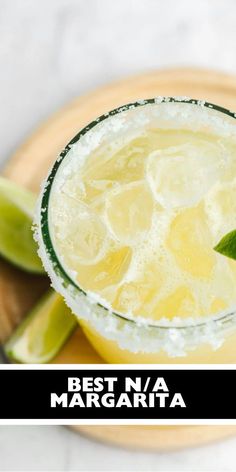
column 50, row 52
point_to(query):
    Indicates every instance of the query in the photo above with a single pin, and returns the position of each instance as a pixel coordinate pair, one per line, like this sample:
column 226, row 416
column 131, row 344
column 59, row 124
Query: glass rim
column 50, row 252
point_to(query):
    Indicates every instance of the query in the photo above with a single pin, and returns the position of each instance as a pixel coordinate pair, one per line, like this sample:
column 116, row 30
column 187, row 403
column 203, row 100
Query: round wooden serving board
column 29, row 166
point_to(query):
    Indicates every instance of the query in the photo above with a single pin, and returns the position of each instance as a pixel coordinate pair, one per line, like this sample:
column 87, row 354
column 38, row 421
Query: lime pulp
column 16, row 236
column 43, row 332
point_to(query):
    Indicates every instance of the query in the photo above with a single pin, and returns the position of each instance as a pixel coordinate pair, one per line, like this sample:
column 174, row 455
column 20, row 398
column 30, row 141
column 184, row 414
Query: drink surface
column 137, row 221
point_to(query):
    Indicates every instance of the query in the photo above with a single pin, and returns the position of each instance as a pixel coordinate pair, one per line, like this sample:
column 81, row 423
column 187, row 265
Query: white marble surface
column 56, row 448
column 51, row 51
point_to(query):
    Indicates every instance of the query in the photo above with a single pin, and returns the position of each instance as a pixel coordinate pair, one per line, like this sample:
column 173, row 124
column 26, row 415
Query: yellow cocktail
column 130, row 215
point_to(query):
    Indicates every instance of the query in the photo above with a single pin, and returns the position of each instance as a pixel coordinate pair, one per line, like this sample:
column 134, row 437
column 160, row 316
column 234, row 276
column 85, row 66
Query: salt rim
column 137, row 334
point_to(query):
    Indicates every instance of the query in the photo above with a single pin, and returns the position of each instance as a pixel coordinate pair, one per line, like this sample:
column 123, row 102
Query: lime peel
column 43, row 332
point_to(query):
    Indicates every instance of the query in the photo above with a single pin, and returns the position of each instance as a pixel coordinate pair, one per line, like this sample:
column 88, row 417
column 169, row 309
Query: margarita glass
column 127, row 221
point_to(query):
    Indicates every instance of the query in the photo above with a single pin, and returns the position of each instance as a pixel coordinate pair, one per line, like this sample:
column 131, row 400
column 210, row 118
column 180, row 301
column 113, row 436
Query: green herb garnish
column 227, row 245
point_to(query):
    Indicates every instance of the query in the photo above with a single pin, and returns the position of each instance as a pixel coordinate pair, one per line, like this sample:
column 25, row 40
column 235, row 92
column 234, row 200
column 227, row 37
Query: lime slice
column 43, row 332
column 16, row 237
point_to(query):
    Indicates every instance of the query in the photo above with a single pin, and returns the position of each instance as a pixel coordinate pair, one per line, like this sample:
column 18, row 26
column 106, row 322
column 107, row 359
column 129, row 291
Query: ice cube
column 179, row 176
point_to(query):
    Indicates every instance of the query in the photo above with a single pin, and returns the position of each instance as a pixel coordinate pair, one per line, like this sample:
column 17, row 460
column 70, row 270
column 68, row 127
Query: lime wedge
column 42, row 333
column 227, row 245
column 16, row 236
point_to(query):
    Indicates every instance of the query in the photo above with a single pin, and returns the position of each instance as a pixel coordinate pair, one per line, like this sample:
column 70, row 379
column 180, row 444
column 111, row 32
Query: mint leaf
column 227, row 245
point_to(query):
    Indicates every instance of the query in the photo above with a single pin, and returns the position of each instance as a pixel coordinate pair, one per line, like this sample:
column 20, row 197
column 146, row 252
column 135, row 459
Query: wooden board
column 30, row 164
column 160, row 438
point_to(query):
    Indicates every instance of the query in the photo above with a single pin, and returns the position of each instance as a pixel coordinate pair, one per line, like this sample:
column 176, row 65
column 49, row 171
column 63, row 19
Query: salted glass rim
column 50, row 251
